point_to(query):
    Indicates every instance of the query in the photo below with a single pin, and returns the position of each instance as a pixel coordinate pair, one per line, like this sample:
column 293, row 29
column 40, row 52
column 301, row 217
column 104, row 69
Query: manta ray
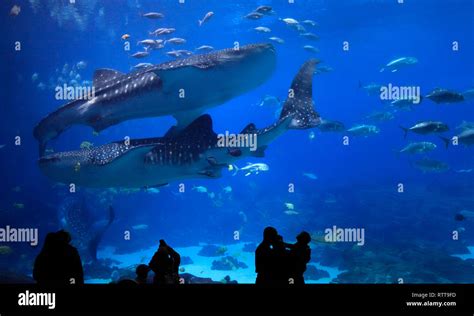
column 193, row 152
column 183, row 88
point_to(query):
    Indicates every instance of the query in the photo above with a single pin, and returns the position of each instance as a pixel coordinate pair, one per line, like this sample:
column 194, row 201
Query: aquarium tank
column 182, row 128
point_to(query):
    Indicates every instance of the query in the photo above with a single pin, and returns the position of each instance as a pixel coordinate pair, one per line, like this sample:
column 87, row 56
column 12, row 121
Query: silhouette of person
column 281, row 262
column 58, row 262
column 165, row 263
column 299, row 256
column 265, row 257
column 142, row 271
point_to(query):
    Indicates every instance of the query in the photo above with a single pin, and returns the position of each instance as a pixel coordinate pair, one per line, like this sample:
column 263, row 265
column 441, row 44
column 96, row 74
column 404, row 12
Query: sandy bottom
column 467, row 255
column 202, row 265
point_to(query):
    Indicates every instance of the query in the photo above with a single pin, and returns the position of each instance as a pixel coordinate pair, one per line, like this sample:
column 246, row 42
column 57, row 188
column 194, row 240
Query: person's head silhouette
column 142, row 271
column 270, row 234
column 304, row 238
column 63, row 236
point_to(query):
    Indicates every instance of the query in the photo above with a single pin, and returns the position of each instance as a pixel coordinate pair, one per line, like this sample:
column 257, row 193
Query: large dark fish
column 86, row 229
column 184, row 88
column 192, row 153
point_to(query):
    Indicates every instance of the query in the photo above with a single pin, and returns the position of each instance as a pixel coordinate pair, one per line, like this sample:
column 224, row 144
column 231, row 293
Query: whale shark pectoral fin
column 103, row 75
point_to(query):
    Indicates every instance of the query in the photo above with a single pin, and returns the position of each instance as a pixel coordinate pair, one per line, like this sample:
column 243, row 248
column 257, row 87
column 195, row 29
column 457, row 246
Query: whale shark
column 193, row 152
column 85, row 227
column 183, row 88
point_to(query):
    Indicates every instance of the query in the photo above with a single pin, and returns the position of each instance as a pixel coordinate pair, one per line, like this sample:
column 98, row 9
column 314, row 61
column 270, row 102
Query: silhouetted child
column 58, row 262
column 165, row 263
column 265, row 266
column 142, row 271
column 300, row 254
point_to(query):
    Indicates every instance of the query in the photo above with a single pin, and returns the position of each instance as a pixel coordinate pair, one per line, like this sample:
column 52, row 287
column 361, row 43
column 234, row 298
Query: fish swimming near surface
column 206, row 18
column 311, row 49
column 153, row 15
column 310, row 36
column 254, row 16
column 463, row 215
column 86, row 229
column 371, row 88
column 208, row 80
column 381, row 116
column 277, row 40
column 264, row 9
column 425, row 128
column 441, row 96
column 465, row 125
column 398, row 63
column 418, row 148
column 205, row 48
column 309, row 22
column 363, row 130
column 406, row 104
column 200, row 189
column 289, row 21
column 142, row 65
column 331, row 126
column 140, row 227
column 466, row 138
column 262, row 29
column 194, row 152
column 468, row 94
column 431, row 165
column 251, row 168
column 311, row 176
column 163, row 31
column 141, row 54
column 176, row 41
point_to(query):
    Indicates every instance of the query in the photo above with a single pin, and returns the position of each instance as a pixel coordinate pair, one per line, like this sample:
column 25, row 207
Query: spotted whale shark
column 184, row 88
column 194, row 152
column 84, row 225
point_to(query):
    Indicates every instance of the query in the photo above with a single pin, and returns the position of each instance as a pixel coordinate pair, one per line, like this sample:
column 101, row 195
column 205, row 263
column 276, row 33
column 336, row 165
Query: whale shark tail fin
column 299, row 106
column 94, row 243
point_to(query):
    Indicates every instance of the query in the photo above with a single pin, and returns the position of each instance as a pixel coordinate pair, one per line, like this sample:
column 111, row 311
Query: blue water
column 356, row 185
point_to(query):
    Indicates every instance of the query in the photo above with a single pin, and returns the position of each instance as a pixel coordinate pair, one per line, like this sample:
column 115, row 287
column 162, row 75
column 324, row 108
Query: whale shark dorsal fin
column 299, row 106
column 249, row 129
column 200, row 126
column 103, row 75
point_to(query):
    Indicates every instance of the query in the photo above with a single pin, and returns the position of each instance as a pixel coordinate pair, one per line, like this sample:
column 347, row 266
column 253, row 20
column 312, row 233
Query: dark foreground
column 244, row 299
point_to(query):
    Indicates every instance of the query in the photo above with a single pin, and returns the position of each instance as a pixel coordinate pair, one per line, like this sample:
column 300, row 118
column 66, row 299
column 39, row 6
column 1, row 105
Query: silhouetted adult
column 165, row 263
column 58, row 262
column 299, row 256
column 281, row 262
column 265, row 257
